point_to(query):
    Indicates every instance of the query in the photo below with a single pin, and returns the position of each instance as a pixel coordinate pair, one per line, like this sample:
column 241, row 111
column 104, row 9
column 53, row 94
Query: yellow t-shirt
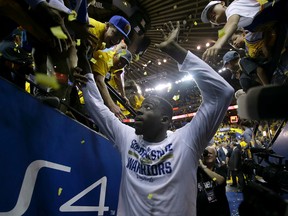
column 102, row 62
column 254, row 48
column 138, row 101
column 98, row 31
column 112, row 81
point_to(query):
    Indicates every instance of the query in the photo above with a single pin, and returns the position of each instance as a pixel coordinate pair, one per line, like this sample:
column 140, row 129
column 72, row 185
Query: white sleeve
column 60, row 6
column 107, row 122
column 216, row 97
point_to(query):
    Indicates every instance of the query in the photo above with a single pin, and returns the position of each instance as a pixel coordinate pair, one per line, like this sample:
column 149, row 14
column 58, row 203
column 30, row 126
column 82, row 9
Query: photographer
column 211, row 183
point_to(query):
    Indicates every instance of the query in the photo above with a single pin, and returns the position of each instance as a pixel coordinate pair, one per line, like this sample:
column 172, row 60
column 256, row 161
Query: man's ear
column 107, row 26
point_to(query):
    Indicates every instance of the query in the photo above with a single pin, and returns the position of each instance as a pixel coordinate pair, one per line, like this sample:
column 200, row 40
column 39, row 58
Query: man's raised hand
column 170, row 34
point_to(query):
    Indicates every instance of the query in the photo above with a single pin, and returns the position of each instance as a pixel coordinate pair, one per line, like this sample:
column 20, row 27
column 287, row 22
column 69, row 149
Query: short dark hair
column 239, row 31
column 165, row 107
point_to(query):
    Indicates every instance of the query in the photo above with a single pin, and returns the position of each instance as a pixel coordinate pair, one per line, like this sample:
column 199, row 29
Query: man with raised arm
column 159, row 166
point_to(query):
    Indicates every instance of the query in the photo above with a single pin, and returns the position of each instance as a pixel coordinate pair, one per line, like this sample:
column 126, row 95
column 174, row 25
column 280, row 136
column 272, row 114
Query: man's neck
column 156, row 139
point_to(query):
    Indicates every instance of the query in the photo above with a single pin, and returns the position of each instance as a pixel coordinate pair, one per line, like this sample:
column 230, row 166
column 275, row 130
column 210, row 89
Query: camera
column 263, row 196
column 205, row 153
column 275, row 176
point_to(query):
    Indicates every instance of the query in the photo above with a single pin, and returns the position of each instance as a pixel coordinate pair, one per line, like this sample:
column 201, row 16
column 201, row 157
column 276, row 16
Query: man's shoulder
column 97, row 28
column 95, row 23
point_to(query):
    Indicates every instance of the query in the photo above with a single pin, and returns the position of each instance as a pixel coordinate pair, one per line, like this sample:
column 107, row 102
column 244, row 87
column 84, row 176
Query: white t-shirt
column 160, row 178
column 246, row 9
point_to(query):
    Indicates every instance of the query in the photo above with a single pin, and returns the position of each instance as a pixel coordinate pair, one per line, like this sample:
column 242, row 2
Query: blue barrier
column 50, row 164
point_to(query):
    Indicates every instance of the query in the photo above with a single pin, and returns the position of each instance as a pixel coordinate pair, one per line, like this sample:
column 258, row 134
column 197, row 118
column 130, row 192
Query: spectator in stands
column 259, row 53
column 232, row 61
column 49, row 18
column 134, row 94
column 110, row 33
column 257, row 45
column 211, row 184
column 235, row 166
column 222, row 152
column 238, row 14
column 109, row 39
column 39, row 28
column 165, row 183
column 248, row 130
column 15, row 61
column 113, row 63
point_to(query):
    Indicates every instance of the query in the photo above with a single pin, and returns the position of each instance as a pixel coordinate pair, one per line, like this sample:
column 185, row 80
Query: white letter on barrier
column 101, row 208
column 28, row 185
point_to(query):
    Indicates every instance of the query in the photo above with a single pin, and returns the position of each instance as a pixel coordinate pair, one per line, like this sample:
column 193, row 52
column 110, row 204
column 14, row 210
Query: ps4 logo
column 28, row 185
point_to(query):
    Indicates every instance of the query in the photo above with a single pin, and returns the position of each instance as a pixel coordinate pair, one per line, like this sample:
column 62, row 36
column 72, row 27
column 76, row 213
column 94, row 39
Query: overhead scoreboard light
column 234, row 119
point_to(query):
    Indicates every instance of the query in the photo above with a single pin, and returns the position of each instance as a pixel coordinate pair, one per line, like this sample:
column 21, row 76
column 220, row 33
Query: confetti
column 47, row 81
column 150, row 196
column 262, row 2
column 27, row 87
column 72, row 16
column 58, row 32
column 78, row 42
column 59, row 191
column 137, row 57
column 103, row 45
column 176, row 97
column 93, row 60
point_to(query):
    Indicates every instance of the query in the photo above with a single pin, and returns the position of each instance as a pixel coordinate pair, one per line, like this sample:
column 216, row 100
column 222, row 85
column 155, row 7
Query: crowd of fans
column 56, row 38
column 24, row 51
column 51, row 39
column 263, row 38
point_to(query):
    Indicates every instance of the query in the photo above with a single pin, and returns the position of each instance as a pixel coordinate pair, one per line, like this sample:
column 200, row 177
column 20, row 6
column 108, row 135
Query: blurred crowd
column 46, row 40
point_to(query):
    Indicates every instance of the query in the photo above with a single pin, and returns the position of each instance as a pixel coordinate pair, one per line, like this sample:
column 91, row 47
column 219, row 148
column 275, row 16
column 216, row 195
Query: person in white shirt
column 239, row 13
column 159, row 166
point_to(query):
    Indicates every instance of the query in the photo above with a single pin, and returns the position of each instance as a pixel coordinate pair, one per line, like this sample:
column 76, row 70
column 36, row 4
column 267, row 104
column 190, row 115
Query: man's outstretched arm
column 170, row 46
column 215, row 91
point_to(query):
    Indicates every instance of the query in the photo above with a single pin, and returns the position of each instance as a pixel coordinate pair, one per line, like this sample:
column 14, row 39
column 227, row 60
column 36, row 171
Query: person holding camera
column 211, row 185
